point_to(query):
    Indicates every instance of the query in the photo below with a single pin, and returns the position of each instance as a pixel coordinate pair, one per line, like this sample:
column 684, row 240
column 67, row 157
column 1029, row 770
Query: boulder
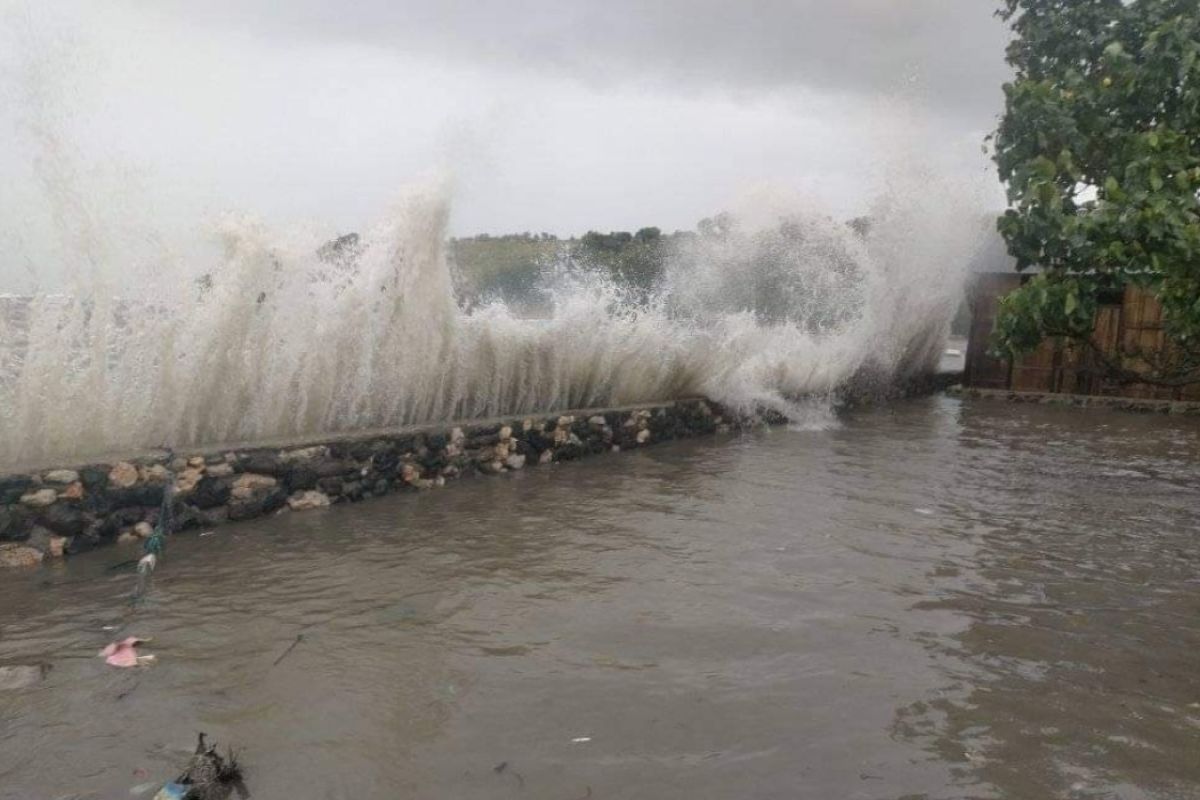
column 13, row 487
column 61, row 476
column 252, row 482
column 40, row 498
column 123, row 475
column 19, row 555
column 65, row 519
column 302, row 477
column 515, row 461
column 330, row 486
column 72, row 492
column 140, row 495
column 14, row 523
column 263, row 462
column 210, row 492
column 303, row 501
column 304, row 454
column 154, row 474
column 218, row 470
column 261, row 502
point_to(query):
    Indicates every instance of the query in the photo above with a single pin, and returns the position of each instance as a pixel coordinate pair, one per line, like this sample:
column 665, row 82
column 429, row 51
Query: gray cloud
column 952, row 48
column 558, row 115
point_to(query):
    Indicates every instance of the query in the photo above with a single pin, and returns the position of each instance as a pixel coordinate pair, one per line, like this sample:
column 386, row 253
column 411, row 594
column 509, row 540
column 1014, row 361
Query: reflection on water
column 930, row 600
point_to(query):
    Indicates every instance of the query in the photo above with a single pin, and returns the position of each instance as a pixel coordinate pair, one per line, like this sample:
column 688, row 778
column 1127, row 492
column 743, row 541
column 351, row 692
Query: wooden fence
column 1131, row 324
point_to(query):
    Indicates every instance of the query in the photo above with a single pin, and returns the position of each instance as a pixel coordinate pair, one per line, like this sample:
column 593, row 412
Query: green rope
column 156, row 543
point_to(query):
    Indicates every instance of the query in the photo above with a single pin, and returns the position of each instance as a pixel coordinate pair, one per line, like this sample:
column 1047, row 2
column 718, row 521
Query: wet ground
column 931, row 600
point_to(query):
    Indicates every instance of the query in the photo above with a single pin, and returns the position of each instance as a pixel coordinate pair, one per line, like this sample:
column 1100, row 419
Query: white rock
column 123, row 475
column 219, row 470
column 40, row 499
column 143, row 529
column 303, row 501
column 196, row 462
column 566, row 422
column 598, row 421
column 188, row 479
column 155, row 473
column 501, row 451
column 505, row 433
column 127, row 537
column 56, row 546
column 19, row 555
column 63, row 476
column 253, row 482
column 546, row 457
column 304, row 454
column 515, row 461
column 457, row 435
column 643, row 436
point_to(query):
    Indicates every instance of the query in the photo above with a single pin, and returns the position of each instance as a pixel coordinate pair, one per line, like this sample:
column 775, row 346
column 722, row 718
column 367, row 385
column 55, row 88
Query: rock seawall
column 50, row 513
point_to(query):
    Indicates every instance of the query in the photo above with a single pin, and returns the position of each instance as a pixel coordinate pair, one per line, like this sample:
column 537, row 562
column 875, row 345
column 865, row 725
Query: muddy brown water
column 930, row 600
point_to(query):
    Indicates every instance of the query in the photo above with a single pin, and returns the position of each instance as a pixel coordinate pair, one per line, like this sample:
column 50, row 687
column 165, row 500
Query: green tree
column 1099, row 148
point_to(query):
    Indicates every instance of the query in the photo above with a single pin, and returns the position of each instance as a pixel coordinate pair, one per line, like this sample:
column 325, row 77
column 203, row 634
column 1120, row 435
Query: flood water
column 931, row 600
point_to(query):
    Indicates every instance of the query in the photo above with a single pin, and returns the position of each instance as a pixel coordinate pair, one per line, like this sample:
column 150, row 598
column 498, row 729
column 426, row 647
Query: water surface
column 930, row 600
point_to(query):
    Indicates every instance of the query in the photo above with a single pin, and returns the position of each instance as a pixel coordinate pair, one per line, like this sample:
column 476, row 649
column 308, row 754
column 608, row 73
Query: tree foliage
column 1099, row 148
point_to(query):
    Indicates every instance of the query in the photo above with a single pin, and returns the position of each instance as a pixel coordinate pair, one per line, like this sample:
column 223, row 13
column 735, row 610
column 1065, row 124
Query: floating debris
column 124, row 653
column 207, row 776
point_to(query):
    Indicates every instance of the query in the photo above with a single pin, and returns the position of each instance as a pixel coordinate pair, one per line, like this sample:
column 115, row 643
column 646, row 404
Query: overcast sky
column 556, row 115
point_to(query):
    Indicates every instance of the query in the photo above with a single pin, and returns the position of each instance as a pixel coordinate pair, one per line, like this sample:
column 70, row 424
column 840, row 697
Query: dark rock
column 351, row 451
column 302, row 477
column 484, row 430
column 211, row 492
column 538, row 440
column 12, row 487
column 386, row 463
column 437, row 441
column 481, row 441
column 330, row 486
column 40, row 538
column 263, row 502
column 381, row 487
column 569, row 452
column 103, row 529
column 132, row 515
column 15, row 523
column 353, row 490
column 81, row 544
column 65, row 519
column 140, row 495
column 94, row 478
column 263, row 462
column 434, row 460
column 337, row 467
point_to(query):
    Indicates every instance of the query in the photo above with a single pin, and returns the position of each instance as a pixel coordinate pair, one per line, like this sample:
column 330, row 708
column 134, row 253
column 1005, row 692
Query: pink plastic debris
column 124, row 653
